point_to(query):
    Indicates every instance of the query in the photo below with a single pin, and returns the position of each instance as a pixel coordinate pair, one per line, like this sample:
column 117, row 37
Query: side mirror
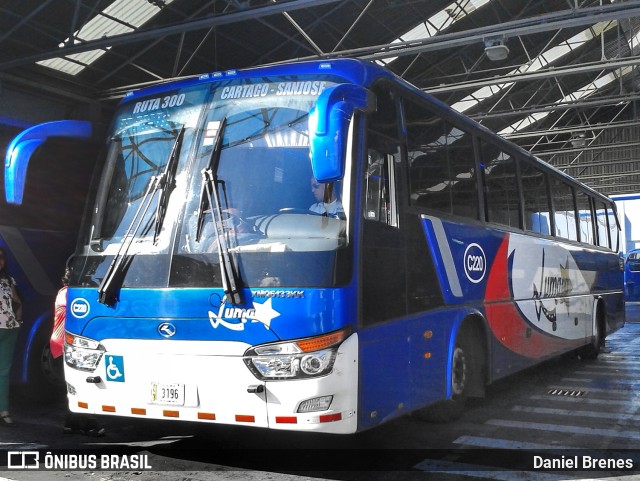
column 25, row 144
column 328, row 128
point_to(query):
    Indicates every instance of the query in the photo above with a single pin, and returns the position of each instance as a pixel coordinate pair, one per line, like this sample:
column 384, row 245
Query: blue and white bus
column 320, row 246
column 47, row 172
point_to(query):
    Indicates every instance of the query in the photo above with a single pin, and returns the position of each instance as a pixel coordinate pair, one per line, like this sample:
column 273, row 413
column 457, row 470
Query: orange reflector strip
column 208, row 416
column 170, row 414
column 83, row 405
column 321, row 342
column 109, row 409
column 327, row 418
column 286, row 419
column 140, row 411
column 244, row 418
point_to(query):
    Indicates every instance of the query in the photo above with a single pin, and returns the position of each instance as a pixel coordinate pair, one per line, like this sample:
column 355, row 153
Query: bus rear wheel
column 591, row 351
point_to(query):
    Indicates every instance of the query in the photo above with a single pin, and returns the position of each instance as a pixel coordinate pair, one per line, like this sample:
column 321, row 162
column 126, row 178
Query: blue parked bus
column 47, row 172
column 320, row 246
column 632, row 275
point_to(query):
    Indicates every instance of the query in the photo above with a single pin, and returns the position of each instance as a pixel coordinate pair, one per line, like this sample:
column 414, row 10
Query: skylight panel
column 541, row 61
column 581, row 93
column 417, row 32
column 479, row 95
column 438, row 22
column 122, row 16
column 634, row 42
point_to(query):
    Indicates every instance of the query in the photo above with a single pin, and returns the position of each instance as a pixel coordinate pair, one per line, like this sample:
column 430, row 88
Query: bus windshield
column 200, row 173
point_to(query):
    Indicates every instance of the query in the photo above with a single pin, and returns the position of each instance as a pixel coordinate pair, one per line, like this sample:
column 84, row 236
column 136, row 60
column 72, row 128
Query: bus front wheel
column 45, row 377
column 461, row 380
column 459, row 372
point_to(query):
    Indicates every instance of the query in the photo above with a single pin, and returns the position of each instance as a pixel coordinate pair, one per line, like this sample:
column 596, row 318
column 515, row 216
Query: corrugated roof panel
column 438, row 22
column 541, row 61
column 134, row 12
column 122, row 16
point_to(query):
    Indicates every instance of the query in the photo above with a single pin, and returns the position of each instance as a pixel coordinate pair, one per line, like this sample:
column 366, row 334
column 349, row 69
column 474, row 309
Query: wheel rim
column 459, row 372
column 46, row 366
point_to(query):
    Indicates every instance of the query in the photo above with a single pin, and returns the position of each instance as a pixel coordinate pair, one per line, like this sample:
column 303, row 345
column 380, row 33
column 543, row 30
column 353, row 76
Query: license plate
column 172, row 394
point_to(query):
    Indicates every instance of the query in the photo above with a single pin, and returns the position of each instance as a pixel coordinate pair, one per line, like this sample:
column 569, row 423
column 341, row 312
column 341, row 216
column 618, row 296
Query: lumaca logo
column 263, row 313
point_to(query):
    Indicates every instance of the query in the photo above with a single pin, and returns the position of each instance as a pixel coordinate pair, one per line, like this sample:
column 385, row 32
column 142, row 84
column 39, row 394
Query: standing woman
column 10, row 321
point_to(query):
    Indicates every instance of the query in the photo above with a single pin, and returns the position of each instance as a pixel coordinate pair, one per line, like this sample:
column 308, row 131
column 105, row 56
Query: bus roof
column 360, row 72
column 357, row 71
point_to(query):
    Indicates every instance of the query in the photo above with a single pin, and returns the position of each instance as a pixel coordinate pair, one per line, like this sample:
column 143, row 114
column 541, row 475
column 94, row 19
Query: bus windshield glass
column 198, row 175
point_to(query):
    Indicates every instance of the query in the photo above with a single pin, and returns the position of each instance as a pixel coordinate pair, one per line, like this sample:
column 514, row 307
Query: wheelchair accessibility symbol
column 115, row 368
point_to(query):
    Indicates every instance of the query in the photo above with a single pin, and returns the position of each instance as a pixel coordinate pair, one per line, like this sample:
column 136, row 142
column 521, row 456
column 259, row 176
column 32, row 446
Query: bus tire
column 45, row 375
column 595, row 347
column 462, row 378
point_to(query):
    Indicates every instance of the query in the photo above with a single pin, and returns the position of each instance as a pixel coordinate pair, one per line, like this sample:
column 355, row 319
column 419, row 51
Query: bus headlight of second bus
column 82, row 353
column 298, row 359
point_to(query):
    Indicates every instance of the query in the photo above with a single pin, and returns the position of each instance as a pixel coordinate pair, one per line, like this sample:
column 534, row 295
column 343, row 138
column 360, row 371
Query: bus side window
column 564, row 209
column 442, row 169
column 462, row 171
column 383, row 155
column 585, row 217
column 384, row 282
column 601, row 224
column 536, row 199
column 614, row 233
column 427, row 158
column 501, row 187
column 380, row 201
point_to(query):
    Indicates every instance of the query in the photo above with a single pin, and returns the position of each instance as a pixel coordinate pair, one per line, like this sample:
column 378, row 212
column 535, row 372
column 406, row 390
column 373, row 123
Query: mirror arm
column 26, row 143
column 328, row 123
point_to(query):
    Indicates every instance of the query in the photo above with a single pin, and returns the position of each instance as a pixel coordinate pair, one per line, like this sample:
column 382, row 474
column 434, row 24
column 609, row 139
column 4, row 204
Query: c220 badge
column 475, row 263
column 80, row 308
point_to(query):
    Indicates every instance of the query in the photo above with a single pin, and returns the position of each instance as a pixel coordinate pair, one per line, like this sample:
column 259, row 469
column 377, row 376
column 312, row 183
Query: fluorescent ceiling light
column 122, row 16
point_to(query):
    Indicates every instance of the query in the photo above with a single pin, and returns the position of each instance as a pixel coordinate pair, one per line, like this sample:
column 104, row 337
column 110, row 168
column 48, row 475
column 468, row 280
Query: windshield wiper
column 167, row 183
column 209, row 195
column 114, row 276
column 118, row 267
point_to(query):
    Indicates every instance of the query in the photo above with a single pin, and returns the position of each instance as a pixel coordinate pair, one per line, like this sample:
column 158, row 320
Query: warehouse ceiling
column 558, row 77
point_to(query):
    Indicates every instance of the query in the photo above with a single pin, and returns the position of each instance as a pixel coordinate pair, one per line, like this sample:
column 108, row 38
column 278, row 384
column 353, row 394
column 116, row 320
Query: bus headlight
column 82, row 353
column 295, row 359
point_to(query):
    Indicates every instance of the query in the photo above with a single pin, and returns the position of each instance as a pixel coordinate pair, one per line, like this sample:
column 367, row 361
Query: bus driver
column 327, row 199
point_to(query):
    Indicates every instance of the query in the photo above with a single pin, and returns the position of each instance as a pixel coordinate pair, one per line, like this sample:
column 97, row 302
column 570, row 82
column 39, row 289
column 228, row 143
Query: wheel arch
column 473, row 327
column 600, row 323
column 600, row 315
column 596, row 339
column 43, row 321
